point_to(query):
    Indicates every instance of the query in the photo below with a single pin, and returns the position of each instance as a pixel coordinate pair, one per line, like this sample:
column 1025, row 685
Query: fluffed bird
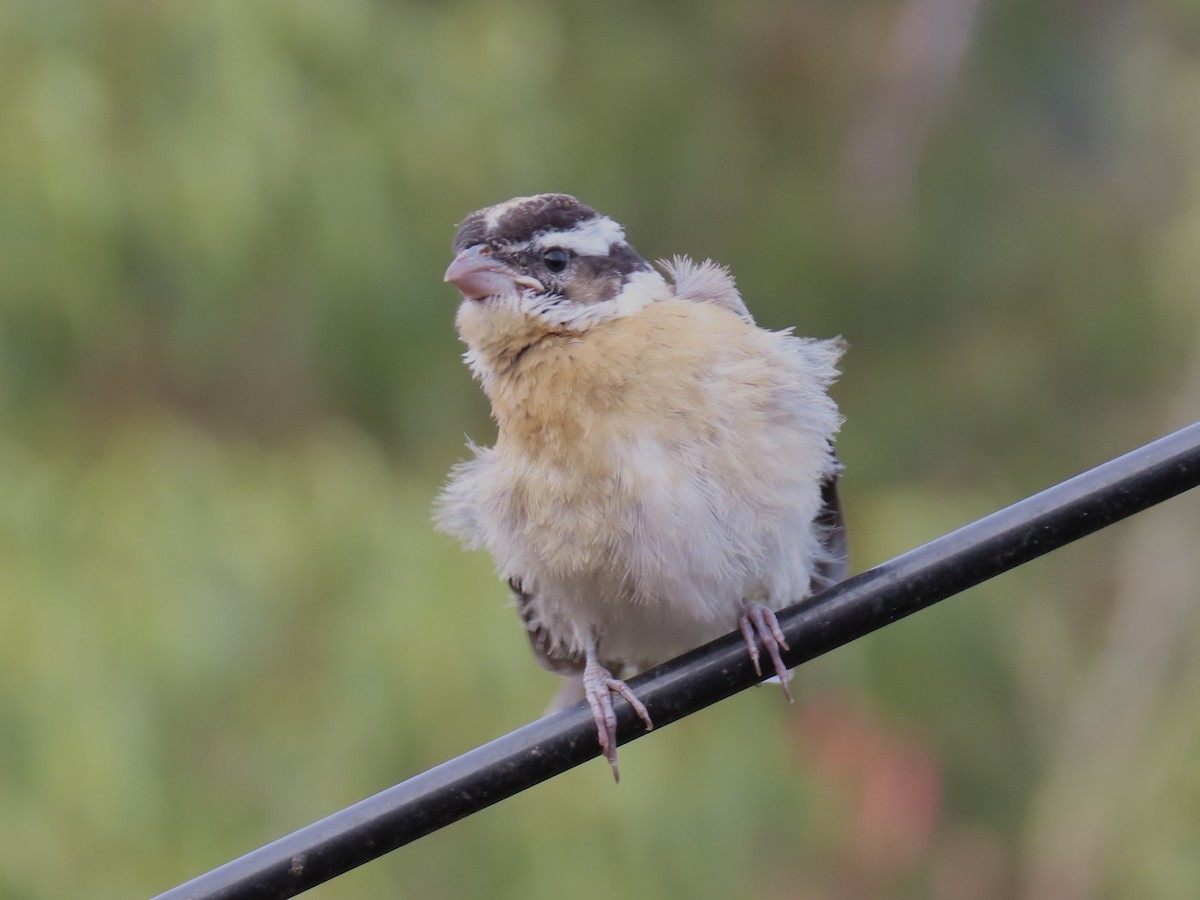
column 664, row 469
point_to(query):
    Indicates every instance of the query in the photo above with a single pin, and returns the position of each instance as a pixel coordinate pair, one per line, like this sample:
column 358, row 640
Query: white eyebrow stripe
column 595, row 237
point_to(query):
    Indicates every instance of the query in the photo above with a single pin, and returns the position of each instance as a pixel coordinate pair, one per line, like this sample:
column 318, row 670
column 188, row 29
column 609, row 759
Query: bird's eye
column 556, row 259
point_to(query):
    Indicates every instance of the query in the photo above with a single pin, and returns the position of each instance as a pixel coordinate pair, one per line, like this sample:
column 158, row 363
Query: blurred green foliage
column 229, row 389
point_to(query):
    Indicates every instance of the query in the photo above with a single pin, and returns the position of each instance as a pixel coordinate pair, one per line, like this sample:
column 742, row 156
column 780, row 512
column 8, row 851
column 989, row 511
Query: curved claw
column 599, row 687
column 760, row 620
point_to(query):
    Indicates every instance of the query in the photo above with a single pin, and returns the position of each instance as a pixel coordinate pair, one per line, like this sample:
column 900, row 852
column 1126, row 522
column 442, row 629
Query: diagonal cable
column 856, row 607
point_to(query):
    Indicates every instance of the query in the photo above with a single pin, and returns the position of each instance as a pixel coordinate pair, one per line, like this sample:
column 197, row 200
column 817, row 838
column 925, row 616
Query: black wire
column 549, row 746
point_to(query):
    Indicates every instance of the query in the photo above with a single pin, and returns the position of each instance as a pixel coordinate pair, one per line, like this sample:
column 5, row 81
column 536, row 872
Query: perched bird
column 664, row 469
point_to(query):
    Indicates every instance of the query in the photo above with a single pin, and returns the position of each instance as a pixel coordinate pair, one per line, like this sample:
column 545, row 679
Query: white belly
column 661, row 557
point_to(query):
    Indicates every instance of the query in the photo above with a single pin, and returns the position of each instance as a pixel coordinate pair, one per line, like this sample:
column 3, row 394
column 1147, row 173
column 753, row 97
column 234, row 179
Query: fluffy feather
column 664, row 469
column 653, row 471
column 706, row 282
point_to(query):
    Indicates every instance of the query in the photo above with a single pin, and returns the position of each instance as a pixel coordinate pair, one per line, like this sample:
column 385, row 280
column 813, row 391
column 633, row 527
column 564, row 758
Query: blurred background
column 230, row 388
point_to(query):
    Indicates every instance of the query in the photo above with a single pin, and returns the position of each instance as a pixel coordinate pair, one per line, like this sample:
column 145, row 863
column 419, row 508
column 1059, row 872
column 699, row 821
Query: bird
column 664, row 469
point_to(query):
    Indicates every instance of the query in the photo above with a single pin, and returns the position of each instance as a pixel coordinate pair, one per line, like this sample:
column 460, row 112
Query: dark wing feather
column 545, row 648
column 831, row 526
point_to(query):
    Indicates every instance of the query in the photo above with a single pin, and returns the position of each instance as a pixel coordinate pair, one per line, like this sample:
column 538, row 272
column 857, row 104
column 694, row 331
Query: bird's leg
column 599, row 686
column 757, row 619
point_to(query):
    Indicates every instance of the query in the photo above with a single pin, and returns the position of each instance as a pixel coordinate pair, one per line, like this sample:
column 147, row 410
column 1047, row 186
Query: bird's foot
column 599, row 686
column 757, row 619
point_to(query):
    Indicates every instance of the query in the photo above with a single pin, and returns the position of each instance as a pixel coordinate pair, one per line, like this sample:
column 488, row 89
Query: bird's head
column 544, row 264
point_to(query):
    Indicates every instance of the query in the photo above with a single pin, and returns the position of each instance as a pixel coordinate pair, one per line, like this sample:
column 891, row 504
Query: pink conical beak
column 477, row 275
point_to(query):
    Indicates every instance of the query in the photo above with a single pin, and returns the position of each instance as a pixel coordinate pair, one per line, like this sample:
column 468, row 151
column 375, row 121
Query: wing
column 832, row 528
column 548, row 651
